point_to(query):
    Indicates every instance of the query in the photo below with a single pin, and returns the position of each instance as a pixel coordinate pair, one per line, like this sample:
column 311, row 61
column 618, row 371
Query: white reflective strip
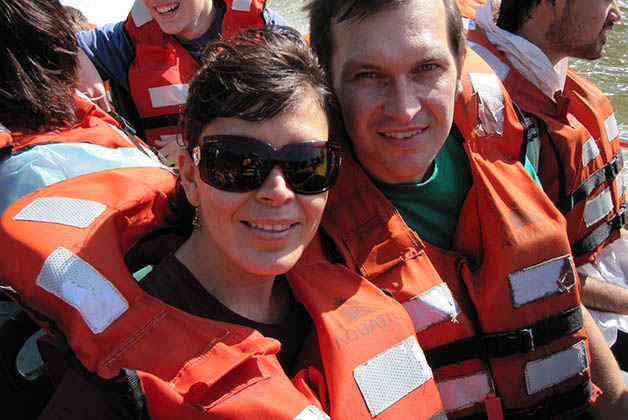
column 432, row 307
column 502, row 69
column 598, row 207
column 81, row 286
column 620, row 181
column 4, row 129
column 242, row 5
column 542, row 280
column 140, row 13
column 66, row 211
column 544, row 373
column 612, row 131
column 311, row 412
column 465, row 391
column 468, row 24
column 491, row 104
column 589, row 152
column 391, row 375
column 168, row 95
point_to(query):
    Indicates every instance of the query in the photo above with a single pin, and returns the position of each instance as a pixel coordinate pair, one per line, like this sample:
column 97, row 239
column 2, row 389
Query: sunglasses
column 240, row 164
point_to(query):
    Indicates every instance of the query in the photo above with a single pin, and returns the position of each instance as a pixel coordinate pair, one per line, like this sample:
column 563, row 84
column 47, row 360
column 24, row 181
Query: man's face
column 395, row 77
column 581, row 29
column 187, row 19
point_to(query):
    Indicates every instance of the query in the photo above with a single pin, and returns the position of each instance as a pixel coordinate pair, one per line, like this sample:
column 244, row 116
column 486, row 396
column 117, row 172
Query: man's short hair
column 323, row 13
column 514, row 13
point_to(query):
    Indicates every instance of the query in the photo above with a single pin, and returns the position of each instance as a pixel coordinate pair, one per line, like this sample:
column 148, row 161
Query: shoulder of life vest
column 66, row 246
column 579, row 134
column 160, row 73
column 372, row 363
column 517, row 342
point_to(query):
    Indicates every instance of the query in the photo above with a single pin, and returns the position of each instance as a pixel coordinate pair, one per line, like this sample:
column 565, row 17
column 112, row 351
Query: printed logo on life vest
column 364, row 322
column 525, row 226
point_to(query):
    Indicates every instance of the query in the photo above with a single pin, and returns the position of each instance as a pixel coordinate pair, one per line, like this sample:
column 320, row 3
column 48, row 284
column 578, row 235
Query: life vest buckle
column 506, row 343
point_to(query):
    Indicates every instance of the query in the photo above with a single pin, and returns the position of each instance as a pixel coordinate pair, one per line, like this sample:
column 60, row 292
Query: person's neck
column 260, row 298
column 535, row 33
column 205, row 20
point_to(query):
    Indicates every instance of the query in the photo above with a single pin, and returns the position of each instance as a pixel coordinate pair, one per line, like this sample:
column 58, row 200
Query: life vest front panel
column 454, row 320
column 372, row 362
column 579, row 154
column 160, row 73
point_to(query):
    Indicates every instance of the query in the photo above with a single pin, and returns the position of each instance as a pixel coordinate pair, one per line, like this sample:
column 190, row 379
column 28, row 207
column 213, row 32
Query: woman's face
column 261, row 232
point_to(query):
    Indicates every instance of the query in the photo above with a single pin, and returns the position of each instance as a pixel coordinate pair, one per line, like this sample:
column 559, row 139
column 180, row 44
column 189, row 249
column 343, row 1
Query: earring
column 196, row 222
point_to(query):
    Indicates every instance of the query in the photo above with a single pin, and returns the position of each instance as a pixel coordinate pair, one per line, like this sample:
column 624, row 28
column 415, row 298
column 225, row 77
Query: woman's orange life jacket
column 498, row 314
column 67, row 247
column 161, row 71
column 580, row 159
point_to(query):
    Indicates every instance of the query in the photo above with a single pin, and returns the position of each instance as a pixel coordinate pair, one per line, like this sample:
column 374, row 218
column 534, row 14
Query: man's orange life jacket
column 580, row 161
column 68, row 248
column 161, row 71
column 498, row 314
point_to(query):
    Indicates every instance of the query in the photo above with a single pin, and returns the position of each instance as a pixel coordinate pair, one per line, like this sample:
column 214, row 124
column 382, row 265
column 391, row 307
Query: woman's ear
column 188, row 171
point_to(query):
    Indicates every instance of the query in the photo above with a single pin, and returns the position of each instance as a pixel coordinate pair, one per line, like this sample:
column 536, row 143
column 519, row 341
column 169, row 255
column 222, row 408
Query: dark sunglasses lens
column 312, row 169
column 233, row 166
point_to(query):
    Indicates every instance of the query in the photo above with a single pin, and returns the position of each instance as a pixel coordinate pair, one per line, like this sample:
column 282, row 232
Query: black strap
column 503, row 344
column 573, row 402
column 598, row 235
column 136, row 394
column 597, row 178
column 439, row 416
column 160, row 121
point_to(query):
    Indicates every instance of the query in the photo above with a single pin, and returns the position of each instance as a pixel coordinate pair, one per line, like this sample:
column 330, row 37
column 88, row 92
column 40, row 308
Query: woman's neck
column 260, row 298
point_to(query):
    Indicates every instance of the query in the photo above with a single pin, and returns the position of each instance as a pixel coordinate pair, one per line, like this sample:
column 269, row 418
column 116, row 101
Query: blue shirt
column 111, row 50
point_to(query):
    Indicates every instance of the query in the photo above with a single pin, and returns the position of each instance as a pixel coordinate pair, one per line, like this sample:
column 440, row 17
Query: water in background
column 610, row 72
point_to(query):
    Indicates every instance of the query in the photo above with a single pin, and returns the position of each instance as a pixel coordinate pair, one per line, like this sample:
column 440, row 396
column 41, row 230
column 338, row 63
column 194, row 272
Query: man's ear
column 552, row 7
column 188, row 171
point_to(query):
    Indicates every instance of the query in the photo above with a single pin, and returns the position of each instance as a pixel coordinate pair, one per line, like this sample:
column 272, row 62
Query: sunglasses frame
column 277, row 158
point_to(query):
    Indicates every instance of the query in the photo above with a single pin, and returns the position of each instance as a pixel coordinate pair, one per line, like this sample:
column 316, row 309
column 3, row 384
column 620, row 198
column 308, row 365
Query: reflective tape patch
column 242, row 5
column 598, row 207
column 612, row 131
column 432, row 307
column 468, row 24
column 589, row 152
column 491, row 103
column 81, row 286
column 140, row 13
column 542, row 280
column 312, row 412
column 502, row 69
column 168, row 138
column 544, row 373
column 168, row 95
column 4, row 129
column 391, row 375
column 62, row 210
column 465, row 391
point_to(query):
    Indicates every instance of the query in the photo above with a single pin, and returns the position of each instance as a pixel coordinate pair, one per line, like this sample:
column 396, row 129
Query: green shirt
column 431, row 207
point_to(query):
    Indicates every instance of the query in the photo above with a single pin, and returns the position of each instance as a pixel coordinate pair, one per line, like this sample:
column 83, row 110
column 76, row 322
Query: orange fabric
column 506, row 224
column 579, row 116
column 468, row 7
column 161, row 61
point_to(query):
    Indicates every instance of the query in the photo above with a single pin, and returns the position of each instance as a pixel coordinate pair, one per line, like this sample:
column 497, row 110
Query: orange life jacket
column 161, row 71
column 505, row 325
column 468, row 7
column 72, row 271
column 579, row 156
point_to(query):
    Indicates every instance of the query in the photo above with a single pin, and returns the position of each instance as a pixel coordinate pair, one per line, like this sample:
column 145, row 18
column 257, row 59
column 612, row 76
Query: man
column 152, row 55
column 486, row 228
column 574, row 136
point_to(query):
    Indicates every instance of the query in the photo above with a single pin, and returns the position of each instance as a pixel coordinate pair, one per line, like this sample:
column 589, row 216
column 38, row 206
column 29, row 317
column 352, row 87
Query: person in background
column 150, row 58
column 573, row 135
column 434, row 189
